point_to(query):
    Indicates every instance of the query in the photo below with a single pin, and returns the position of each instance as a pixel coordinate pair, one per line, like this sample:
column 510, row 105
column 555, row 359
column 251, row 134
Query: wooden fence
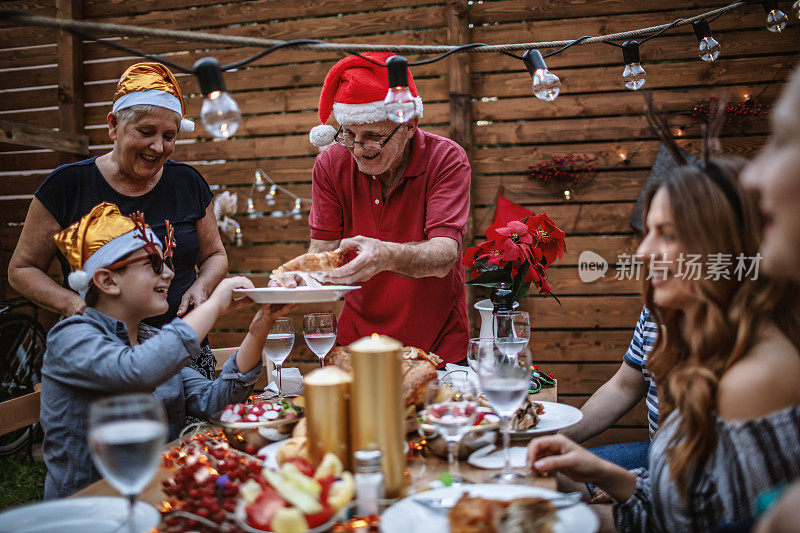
column 482, row 100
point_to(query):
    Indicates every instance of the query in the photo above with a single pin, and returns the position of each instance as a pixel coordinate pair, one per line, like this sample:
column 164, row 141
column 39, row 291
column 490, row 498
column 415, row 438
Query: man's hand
column 290, row 280
column 373, row 257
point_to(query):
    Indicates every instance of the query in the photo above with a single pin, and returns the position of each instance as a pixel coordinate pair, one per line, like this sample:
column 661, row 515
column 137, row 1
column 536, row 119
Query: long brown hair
column 700, row 341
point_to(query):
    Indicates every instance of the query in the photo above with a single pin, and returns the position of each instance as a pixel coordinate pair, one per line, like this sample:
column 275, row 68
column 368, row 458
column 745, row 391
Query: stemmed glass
column 126, row 436
column 512, row 329
column 505, row 379
column 278, row 346
column 451, row 407
column 319, row 330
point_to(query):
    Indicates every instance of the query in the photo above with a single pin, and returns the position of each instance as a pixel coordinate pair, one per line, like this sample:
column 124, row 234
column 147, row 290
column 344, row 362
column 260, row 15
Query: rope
column 23, row 18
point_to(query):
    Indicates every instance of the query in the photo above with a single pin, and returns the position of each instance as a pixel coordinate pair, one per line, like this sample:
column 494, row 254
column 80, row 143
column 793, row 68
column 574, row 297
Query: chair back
column 223, row 354
column 20, row 412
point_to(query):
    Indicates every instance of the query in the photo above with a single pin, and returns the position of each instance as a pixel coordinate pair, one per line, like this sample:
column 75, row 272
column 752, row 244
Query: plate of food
column 491, row 506
column 543, row 418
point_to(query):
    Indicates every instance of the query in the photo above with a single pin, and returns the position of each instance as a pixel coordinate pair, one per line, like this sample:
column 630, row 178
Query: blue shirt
column 89, row 357
column 644, row 338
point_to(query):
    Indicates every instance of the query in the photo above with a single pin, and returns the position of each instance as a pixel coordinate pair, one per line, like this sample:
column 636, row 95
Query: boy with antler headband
column 118, row 267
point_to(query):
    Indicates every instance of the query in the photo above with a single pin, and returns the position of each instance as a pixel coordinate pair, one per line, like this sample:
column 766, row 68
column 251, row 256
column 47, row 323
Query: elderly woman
column 136, row 175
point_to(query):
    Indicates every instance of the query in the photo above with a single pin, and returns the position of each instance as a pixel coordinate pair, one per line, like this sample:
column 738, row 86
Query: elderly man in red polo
column 398, row 197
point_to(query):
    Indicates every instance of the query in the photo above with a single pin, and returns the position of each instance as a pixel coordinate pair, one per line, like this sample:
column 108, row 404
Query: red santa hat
column 354, row 90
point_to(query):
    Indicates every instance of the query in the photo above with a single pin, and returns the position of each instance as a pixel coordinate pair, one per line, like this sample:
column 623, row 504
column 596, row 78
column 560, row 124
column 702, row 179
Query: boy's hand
column 265, row 317
column 223, row 294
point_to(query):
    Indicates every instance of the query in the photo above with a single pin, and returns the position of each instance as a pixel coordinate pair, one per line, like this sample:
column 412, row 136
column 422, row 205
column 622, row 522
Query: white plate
column 406, row 515
column 556, row 416
column 298, row 295
column 78, row 515
column 492, row 458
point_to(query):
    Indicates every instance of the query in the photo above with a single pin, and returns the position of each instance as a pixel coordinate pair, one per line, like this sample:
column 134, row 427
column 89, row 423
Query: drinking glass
column 512, row 329
column 278, row 346
column 319, row 330
column 126, row 436
column 505, row 379
column 474, row 348
column 451, row 407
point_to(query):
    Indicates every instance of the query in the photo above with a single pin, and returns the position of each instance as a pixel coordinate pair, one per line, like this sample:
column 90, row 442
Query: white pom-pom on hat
column 187, row 125
column 322, row 135
column 79, row 280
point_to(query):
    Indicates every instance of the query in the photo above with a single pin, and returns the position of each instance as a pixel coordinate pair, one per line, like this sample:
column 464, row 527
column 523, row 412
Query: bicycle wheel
column 22, row 346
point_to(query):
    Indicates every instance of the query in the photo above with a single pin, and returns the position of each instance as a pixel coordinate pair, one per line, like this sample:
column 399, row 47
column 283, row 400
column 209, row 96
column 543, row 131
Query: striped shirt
column 644, row 337
column 750, row 458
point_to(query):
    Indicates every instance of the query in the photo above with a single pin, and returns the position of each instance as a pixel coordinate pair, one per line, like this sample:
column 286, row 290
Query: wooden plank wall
column 581, row 341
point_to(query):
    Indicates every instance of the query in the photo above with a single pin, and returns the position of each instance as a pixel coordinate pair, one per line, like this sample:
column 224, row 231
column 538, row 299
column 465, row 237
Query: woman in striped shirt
column 726, row 364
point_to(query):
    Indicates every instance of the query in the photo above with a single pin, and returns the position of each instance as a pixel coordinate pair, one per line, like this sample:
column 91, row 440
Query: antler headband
column 149, row 244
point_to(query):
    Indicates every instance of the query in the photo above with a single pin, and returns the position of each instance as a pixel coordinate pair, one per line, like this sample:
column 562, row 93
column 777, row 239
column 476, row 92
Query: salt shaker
column 369, row 481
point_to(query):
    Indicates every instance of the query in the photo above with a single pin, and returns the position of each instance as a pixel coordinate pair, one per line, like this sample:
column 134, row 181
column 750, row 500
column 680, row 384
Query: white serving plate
column 407, row 515
column 79, row 515
column 297, row 295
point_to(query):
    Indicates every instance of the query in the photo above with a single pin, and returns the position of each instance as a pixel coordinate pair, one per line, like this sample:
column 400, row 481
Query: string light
column 546, row 85
column 270, row 197
column 567, row 194
column 633, row 76
column 399, row 103
column 259, row 183
column 251, row 208
column 776, row 19
column 709, row 48
column 295, row 212
column 220, row 113
column 796, row 9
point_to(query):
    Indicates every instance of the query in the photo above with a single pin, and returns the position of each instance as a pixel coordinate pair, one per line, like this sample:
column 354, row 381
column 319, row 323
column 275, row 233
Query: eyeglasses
column 156, row 261
column 349, row 141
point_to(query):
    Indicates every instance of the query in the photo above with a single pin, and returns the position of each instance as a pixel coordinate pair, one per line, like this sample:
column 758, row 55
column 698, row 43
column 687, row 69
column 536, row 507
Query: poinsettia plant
column 516, row 253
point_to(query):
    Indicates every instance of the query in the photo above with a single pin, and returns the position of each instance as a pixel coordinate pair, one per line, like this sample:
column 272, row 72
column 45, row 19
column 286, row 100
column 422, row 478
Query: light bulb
column 270, row 197
column 796, row 8
column 276, row 214
column 709, row 48
column 220, row 113
column 259, row 183
column 239, row 241
column 545, row 84
column 776, row 19
column 567, row 194
column 296, row 209
column 633, row 76
column 251, row 208
column 399, row 104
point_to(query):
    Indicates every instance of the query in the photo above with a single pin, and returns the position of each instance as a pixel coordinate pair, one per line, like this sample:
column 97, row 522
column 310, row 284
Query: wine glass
column 319, row 330
column 474, row 348
column 505, row 379
column 126, row 436
column 451, row 407
column 278, row 346
column 512, row 329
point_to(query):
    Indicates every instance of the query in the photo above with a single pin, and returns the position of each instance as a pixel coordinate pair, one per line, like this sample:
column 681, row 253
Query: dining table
column 423, row 469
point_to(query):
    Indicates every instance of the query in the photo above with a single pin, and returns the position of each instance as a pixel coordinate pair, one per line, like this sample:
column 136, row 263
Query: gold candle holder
column 376, row 406
column 328, row 395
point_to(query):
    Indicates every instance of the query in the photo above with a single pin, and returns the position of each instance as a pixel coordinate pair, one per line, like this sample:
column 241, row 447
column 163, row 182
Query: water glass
column 451, row 407
column 319, row 330
column 512, row 329
column 505, row 380
column 126, row 436
column 278, row 346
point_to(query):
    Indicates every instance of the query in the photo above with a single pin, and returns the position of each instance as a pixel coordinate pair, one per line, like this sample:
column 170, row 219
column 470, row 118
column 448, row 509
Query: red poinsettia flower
column 549, row 239
column 498, row 252
column 517, row 232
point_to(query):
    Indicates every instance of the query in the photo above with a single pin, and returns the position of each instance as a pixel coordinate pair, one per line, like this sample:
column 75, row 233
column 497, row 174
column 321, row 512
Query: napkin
column 451, row 367
column 292, row 381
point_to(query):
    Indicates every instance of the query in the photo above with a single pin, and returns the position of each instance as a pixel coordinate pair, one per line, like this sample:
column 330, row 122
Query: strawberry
column 261, row 511
column 302, row 465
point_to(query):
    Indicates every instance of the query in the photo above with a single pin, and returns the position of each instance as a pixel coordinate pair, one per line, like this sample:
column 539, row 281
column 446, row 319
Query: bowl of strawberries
column 251, row 426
